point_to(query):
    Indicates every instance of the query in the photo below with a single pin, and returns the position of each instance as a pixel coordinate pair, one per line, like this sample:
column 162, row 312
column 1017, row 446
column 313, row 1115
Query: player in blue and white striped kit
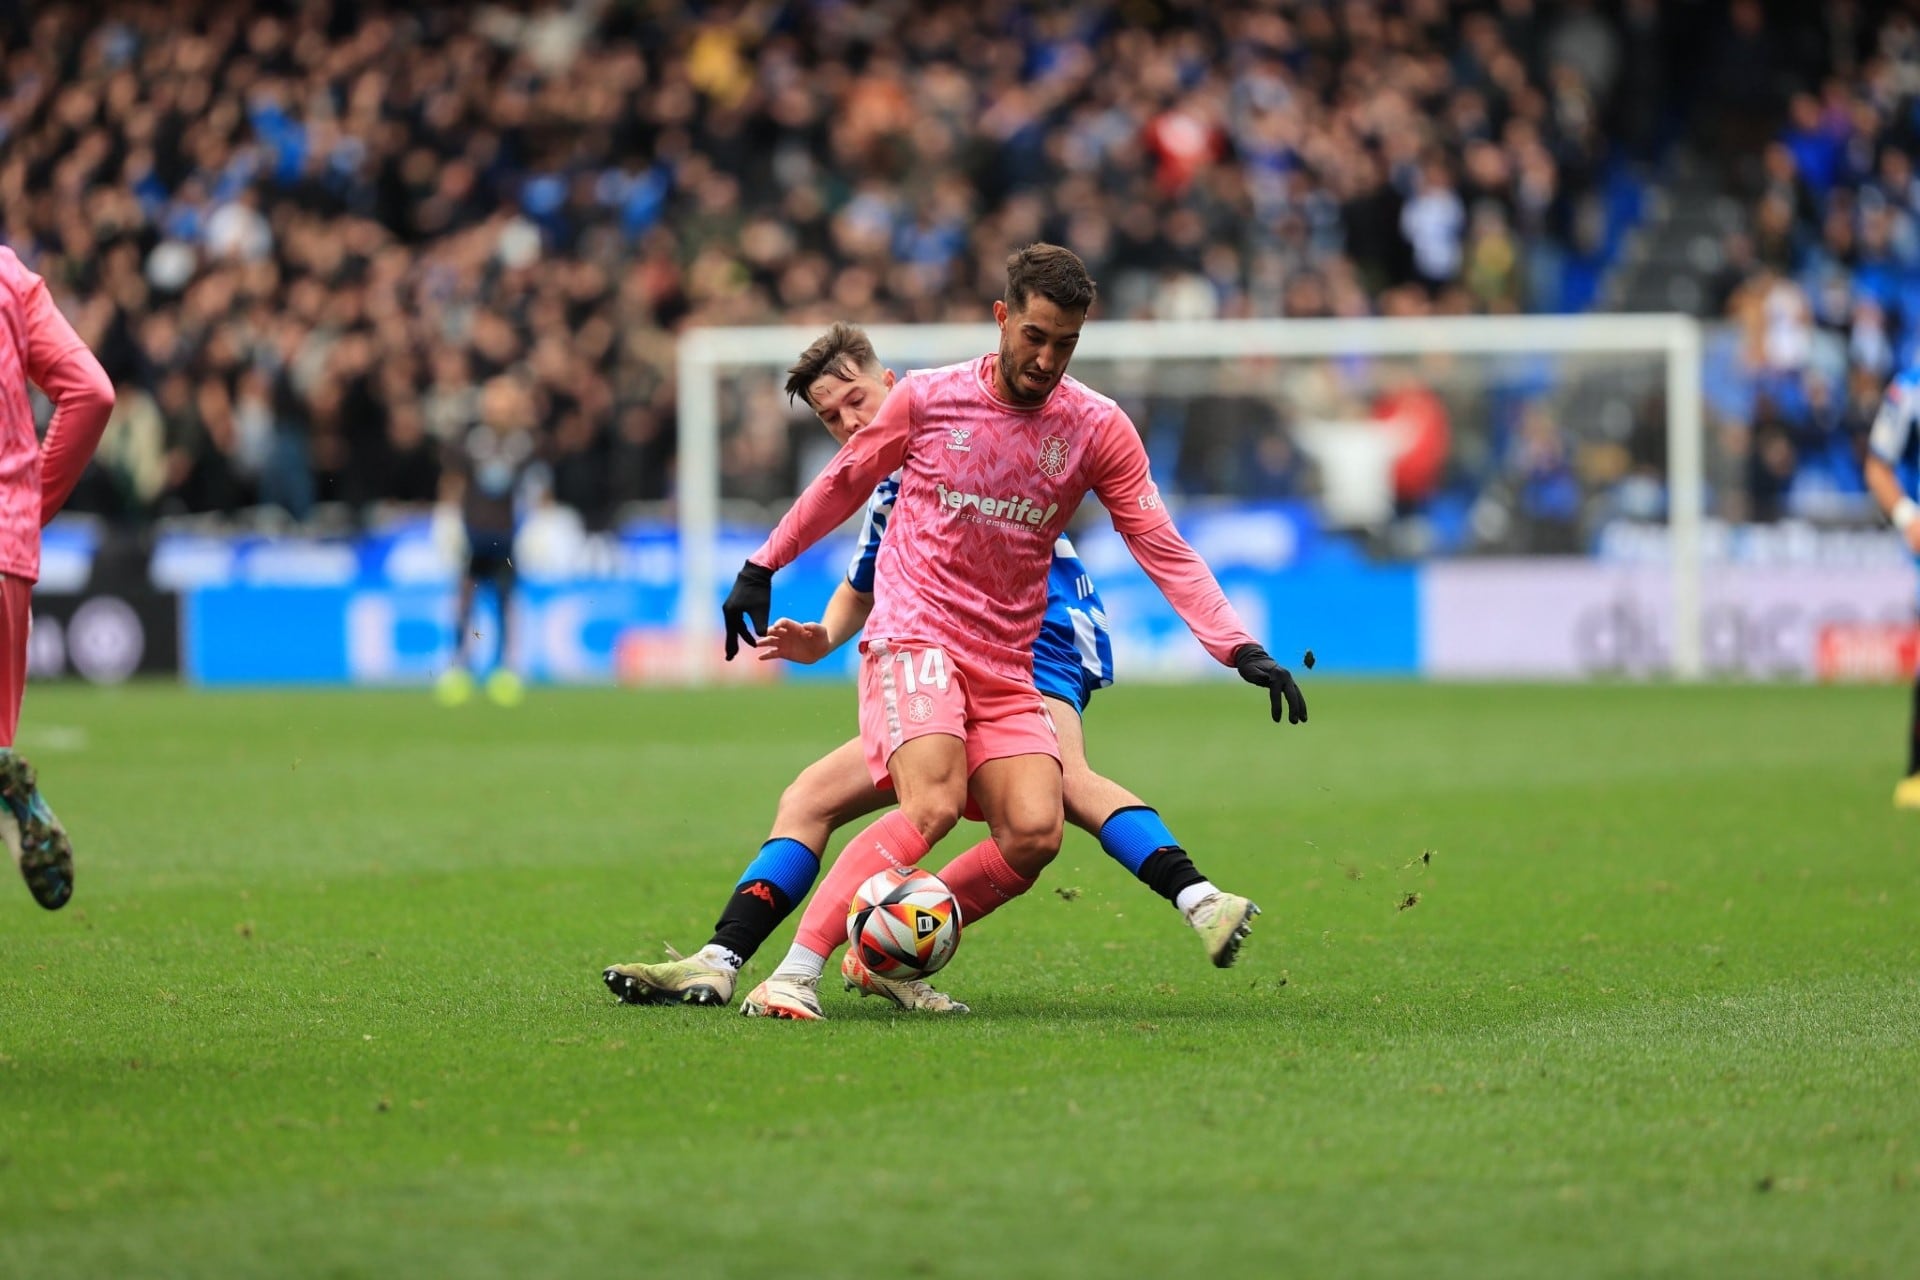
column 843, row 381
column 1893, row 477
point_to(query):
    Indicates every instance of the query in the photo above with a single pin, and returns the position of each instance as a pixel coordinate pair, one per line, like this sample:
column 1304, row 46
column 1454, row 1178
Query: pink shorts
column 909, row 690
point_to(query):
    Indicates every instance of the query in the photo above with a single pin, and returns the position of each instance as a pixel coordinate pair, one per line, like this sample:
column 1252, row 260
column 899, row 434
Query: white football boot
column 913, row 994
column 784, row 995
column 693, row 979
column 1223, row 921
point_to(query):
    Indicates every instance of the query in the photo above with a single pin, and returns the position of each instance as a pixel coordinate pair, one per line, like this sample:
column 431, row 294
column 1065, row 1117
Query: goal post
column 706, row 355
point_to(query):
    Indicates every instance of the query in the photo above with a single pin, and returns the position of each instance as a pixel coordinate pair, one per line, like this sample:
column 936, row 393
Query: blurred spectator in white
column 1433, row 221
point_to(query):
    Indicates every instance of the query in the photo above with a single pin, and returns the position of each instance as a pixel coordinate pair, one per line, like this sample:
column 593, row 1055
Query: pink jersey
column 985, row 489
column 38, row 345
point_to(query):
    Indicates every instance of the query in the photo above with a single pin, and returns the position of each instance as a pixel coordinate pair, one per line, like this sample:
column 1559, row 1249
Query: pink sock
column 890, row 842
column 982, row 881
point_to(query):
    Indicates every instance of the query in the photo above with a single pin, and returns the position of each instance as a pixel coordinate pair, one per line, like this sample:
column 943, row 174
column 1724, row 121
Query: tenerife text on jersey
column 1014, row 511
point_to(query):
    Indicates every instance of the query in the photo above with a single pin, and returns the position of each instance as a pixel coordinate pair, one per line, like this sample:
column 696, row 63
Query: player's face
column 1036, row 342
column 847, row 404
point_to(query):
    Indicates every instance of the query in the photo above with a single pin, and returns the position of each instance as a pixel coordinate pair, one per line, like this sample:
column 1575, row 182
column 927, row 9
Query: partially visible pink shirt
column 985, row 489
column 37, row 345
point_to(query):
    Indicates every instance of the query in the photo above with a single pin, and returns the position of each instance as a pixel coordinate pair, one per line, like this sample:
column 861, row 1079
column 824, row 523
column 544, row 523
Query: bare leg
column 1089, row 798
column 1021, row 797
column 830, row 792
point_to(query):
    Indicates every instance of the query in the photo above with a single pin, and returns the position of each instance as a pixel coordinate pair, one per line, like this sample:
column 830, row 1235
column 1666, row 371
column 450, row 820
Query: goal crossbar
column 704, row 352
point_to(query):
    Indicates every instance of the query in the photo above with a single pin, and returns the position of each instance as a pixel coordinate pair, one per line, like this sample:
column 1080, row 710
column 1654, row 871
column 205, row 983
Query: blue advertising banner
column 601, row 608
column 1357, row 620
column 404, row 635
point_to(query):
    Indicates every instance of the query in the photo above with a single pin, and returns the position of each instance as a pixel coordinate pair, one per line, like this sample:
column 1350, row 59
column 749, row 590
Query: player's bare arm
column 867, row 458
column 1894, row 501
column 808, row 642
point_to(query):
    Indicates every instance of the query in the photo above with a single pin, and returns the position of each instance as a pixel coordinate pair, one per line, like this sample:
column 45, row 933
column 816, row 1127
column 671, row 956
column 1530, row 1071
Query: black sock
column 1167, row 871
column 1913, row 734
column 752, row 914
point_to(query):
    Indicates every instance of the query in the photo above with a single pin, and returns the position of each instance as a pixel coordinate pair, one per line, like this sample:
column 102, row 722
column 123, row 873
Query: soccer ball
column 904, row 924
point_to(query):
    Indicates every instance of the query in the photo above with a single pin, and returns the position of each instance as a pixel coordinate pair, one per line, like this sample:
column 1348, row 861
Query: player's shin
column 893, row 841
column 777, row 879
column 982, row 882
column 1138, row 840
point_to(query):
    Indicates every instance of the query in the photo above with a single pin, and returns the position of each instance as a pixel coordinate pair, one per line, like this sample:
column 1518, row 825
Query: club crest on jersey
column 959, row 439
column 1053, row 456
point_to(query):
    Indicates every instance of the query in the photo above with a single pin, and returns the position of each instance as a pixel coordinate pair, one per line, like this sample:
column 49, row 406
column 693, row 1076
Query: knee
column 1029, row 842
column 933, row 816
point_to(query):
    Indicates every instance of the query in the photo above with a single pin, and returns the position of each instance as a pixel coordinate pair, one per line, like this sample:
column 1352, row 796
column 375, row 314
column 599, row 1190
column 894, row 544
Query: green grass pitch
column 327, row 1002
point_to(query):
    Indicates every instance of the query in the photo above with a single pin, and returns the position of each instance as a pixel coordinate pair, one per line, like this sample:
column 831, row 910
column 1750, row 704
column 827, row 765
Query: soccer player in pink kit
column 841, row 378
column 995, row 456
column 37, row 345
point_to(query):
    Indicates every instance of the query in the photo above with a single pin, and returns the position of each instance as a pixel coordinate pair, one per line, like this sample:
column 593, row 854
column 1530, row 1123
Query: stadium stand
column 301, row 235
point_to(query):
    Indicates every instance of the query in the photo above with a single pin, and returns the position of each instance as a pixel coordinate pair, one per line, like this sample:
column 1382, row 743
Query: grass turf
column 327, row 1002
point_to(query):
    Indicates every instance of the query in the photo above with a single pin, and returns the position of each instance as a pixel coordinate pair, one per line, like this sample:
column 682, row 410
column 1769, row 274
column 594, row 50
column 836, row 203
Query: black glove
column 750, row 599
column 1256, row 667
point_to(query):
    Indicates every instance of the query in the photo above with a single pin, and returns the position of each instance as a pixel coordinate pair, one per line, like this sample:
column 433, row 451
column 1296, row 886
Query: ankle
column 801, row 965
column 719, row 957
column 1192, row 896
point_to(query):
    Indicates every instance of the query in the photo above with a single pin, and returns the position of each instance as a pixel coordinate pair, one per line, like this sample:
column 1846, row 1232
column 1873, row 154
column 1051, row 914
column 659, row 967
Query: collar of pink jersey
column 983, row 374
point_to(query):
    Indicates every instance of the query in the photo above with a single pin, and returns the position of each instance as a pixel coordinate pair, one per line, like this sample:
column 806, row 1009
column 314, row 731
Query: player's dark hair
column 844, row 351
column 1053, row 272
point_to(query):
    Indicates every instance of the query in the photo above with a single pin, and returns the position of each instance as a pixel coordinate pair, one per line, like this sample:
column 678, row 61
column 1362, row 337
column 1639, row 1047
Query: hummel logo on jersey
column 999, row 510
column 1053, row 456
column 961, row 435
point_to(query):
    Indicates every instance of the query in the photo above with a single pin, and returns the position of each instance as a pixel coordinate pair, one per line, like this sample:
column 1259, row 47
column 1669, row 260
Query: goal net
column 1404, row 496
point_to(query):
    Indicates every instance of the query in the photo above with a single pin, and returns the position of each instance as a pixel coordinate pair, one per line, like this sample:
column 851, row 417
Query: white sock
column 715, row 954
column 802, row 964
column 1191, row 896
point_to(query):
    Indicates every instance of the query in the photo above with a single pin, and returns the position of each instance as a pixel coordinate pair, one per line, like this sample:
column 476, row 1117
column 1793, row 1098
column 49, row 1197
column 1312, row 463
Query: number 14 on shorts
column 932, row 664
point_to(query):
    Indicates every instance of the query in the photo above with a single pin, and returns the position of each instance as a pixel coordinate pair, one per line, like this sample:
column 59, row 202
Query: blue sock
column 1131, row 836
column 774, row 883
column 787, row 865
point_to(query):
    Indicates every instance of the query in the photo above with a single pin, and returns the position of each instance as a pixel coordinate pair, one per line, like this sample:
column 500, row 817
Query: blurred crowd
column 1821, row 276
column 302, row 235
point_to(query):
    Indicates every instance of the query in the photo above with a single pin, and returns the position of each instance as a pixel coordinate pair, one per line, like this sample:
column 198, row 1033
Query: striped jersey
column 1895, row 437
